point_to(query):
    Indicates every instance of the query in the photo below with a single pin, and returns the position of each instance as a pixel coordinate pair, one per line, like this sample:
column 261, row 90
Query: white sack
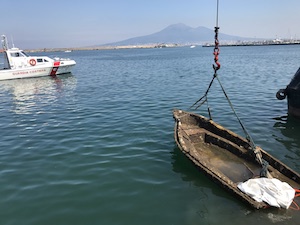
column 270, row 190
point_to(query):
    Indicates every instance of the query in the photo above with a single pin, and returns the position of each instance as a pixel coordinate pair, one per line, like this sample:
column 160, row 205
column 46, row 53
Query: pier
column 255, row 43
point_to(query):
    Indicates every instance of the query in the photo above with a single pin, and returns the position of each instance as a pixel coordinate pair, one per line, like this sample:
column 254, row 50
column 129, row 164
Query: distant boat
column 292, row 92
column 192, row 46
column 68, row 51
column 18, row 64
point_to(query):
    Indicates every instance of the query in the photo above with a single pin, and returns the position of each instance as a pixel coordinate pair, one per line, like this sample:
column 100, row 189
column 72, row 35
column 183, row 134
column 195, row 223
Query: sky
column 80, row 23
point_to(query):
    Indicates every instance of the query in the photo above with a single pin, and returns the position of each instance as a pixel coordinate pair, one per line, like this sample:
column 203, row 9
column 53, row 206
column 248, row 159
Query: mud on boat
column 224, row 156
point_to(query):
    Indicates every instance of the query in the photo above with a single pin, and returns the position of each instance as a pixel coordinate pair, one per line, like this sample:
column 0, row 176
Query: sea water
column 96, row 146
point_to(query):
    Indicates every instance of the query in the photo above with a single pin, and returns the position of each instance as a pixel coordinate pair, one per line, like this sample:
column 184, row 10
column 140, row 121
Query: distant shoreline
column 148, row 46
column 105, row 48
column 256, row 43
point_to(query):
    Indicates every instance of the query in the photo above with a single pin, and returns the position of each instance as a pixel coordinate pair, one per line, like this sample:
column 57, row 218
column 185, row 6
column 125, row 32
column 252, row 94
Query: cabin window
column 15, row 54
column 39, row 60
column 45, row 60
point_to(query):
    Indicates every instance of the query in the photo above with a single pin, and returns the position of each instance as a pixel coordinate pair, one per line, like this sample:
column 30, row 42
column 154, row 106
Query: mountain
column 179, row 34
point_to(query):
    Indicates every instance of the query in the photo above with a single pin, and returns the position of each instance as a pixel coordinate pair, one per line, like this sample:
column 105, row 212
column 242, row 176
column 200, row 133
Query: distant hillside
column 179, row 34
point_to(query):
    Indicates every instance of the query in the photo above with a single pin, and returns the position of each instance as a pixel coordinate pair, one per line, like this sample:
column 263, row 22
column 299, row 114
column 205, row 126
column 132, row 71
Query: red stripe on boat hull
column 55, row 68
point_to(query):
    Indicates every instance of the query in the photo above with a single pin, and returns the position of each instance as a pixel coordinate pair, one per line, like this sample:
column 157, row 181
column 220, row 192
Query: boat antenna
column 4, row 43
column 256, row 152
column 12, row 42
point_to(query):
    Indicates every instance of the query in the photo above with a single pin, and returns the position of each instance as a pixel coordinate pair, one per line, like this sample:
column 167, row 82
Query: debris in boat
column 272, row 191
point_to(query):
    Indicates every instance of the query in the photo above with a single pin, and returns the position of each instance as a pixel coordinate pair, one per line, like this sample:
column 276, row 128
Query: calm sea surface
column 96, row 146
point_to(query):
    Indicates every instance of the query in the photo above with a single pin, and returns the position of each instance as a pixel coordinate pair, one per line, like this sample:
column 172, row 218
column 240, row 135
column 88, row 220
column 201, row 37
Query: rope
column 248, row 137
column 294, row 205
column 204, row 99
column 217, row 18
column 256, row 152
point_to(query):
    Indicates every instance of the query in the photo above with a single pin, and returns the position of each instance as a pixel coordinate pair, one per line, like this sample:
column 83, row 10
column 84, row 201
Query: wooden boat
column 224, row 156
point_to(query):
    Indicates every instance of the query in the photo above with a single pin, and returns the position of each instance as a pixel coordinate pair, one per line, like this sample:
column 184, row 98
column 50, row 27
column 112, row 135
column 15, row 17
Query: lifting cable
column 294, row 205
column 203, row 99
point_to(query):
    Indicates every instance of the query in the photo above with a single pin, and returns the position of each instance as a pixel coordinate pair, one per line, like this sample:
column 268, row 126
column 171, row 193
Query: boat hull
column 8, row 74
column 292, row 93
column 224, row 156
column 293, row 101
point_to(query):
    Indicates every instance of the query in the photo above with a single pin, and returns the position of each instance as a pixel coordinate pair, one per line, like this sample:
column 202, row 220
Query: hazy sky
column 79, row 23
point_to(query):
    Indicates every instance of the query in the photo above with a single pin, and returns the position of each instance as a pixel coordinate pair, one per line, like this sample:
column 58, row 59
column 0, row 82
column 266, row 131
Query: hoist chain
column 216, row 52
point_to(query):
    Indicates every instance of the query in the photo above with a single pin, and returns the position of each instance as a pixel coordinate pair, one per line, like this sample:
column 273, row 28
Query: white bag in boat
column 270, row 190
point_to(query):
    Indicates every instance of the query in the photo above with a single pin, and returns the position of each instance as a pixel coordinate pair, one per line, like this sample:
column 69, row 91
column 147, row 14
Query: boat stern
column 61, row 66
column 292, row 92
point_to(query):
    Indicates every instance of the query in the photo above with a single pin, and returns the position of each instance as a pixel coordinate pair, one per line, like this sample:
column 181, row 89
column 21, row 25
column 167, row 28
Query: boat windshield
column 19, row 54
column 25, row 54
column 15, row 54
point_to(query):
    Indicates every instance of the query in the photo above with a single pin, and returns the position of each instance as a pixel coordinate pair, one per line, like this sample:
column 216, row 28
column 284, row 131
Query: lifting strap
column 254, row 150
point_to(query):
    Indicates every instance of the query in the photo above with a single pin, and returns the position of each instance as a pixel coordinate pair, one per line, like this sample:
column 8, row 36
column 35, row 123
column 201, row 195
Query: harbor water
column 97, row 147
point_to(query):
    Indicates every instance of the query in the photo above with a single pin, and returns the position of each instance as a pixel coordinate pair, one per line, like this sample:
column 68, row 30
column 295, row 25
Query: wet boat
column 18, row 64
column 225, row 157
column 292, row 92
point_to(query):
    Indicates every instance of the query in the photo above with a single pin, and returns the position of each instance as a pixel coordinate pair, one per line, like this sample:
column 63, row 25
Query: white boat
column 17, row 64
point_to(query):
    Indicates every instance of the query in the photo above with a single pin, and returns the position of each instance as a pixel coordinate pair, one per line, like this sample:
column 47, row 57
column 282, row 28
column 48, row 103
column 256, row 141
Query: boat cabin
column 15, row 58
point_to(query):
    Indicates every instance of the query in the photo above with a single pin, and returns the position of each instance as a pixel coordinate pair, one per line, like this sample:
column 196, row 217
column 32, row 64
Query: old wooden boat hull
column 224, row 156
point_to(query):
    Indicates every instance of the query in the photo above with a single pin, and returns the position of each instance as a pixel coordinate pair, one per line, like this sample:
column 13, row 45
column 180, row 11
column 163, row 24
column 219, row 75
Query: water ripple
column 97, row 146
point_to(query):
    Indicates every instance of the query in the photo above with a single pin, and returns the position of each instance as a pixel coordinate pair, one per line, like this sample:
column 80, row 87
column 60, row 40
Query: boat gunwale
column 222, row 179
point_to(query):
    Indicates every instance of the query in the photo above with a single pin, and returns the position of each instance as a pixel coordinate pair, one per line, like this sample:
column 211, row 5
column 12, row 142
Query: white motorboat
column 17, row 64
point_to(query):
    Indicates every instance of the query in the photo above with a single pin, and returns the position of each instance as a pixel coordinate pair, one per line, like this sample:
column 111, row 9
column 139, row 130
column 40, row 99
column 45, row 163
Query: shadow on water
column 289, row 128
